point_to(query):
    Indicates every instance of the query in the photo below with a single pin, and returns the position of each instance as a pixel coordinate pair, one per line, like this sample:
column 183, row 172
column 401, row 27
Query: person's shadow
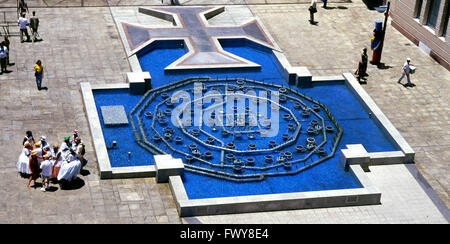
column 406, row 85
column 6, row 72
column 72, row 185
column 383, row 66
column 52, row 189
column 338, row 7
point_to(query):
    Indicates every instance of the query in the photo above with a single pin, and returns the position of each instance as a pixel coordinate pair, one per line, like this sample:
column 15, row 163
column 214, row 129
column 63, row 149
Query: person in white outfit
column 406, row 69
column 43, row 142
column 24, row 158
column 71, row 166
column 46, row 173
column 23, row 23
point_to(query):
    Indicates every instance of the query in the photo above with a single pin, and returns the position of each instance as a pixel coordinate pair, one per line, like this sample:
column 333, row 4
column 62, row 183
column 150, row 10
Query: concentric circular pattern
column 235, row 129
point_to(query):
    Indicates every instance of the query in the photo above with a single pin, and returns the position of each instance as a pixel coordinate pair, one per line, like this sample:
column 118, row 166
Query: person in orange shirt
column 39, row 74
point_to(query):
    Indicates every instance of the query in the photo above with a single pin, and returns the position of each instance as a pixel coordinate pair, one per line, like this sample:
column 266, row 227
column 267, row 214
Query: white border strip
column 104, row 164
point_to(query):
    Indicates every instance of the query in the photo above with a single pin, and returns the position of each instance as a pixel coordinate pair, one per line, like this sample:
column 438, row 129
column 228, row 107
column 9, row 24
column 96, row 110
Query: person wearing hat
column 66, row 147
column 24, row 157
column 35, row 170
column 43, row 142
column 46, row 172
column 406, row 69
column 40, row 152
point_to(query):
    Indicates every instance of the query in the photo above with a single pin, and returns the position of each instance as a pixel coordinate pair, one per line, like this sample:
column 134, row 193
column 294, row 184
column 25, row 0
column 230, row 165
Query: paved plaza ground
column 81, row 44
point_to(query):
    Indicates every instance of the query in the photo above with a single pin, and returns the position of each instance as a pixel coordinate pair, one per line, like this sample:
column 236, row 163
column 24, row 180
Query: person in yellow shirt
column 39, row 74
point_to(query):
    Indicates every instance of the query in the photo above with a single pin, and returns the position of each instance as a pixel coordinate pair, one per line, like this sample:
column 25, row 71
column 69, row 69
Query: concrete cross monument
column 201, row 40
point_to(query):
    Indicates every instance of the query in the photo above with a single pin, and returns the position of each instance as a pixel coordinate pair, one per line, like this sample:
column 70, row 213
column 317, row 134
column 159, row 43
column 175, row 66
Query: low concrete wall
column 96, row 131
column 367, row 195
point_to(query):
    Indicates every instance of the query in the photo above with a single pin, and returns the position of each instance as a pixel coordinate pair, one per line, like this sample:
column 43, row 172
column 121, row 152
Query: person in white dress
column 66, row 145
column 57, row 161
column 71, row 166
column 24, row 158
column 43, row 142
column 29, row 137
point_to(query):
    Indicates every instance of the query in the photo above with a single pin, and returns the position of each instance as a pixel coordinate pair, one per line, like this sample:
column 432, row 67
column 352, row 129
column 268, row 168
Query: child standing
column 46, row 167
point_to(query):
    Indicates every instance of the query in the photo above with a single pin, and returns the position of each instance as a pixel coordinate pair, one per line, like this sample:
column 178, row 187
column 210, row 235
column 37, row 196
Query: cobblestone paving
column 82, row 44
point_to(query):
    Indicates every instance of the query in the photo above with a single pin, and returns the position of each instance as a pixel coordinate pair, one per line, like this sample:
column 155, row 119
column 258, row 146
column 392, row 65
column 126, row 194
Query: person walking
column 324, row 4
column 39, row 74
column 34, row 24
column 312, row 9
column 406, row 70
column 362, row 65
column 3, row 55
column 23, row 7
column 23, row 23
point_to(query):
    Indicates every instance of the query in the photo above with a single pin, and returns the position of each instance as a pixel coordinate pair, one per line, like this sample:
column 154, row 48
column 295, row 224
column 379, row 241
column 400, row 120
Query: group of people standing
column 62, row 163
column 24, row 23
column 33, row 23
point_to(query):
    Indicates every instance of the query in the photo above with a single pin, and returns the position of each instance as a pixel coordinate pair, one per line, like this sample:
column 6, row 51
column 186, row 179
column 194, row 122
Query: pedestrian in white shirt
column 46, row 173
column 406, row 70
column 23, row 23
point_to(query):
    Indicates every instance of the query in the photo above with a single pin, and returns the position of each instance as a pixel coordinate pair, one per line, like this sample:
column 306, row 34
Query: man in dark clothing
column 34, row 24
column 362, row 65
column 6, row 43
column 3, row 53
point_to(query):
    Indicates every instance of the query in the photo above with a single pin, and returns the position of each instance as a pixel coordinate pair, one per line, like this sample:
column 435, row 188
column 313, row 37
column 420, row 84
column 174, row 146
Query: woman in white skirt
column 70, row 168
column 57, row 161
column 24, row 158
